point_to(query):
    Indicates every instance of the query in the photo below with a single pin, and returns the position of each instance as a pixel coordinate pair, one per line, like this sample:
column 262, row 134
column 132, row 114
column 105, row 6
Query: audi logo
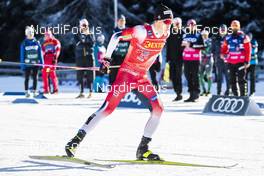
column 228, row 105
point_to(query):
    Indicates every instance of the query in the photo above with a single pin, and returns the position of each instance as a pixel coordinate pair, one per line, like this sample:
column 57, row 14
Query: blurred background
column 16, row 14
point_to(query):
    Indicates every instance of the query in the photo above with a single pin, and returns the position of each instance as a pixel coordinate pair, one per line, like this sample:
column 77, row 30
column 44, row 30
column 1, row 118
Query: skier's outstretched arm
column 125, row 35
column 113, row 43
column 138, row 33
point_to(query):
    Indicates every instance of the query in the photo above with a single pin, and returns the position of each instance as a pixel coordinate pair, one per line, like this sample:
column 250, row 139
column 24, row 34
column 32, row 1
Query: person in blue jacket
column 251, row 71
column 99, row 54
column 30, row 54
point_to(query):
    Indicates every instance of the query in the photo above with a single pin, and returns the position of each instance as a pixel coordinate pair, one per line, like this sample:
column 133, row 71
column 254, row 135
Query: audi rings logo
column 228, row 105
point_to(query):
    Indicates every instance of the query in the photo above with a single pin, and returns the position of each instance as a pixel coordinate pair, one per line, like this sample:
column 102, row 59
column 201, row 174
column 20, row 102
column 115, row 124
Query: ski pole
column 58, row 66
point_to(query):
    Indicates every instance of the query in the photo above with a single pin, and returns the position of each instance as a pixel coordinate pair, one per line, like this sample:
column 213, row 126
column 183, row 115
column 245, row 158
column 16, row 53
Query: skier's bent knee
column 158, row 110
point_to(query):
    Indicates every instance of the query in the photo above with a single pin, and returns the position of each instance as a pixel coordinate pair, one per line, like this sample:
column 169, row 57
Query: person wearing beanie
column 146, row 43
column 30, row 54
column 84, row 57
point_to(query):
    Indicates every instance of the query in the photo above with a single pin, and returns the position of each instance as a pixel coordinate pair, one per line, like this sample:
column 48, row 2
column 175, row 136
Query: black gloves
column 105, row 64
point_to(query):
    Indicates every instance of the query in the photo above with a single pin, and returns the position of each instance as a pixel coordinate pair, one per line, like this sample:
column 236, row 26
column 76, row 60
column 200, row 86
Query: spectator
column 253, row 62
column 206, row 64
column 84, row 56
column 193, row 43
column 220, row 64
column 236, row 49
column 51, row 50
column 99, row 53
column 30, row 54
column 174, row 57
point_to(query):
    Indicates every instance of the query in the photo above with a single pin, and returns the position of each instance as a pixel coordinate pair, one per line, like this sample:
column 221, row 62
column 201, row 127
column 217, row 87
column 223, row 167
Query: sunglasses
column 167, row 22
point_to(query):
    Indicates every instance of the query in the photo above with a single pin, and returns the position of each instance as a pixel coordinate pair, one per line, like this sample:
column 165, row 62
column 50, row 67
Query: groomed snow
column 184, row 135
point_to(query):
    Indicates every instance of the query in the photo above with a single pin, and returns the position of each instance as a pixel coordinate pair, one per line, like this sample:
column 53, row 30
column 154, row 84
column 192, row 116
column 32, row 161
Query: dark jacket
column 174, row 48
column 84, row 49
column 217, row 42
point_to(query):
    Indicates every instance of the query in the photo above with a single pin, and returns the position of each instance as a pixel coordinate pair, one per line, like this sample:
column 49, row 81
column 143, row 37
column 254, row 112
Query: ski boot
column 72, row 145
column 143, row 153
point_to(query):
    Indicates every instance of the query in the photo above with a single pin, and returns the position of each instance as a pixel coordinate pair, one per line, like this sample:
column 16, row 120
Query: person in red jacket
column 146, row 43
column 51, row 50
column 236, row 50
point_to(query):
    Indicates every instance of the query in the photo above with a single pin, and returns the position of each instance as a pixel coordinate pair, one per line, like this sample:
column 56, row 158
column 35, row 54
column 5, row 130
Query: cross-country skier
column 146, row 43
column 30, row 53
column 51, row 51
column 237, row 47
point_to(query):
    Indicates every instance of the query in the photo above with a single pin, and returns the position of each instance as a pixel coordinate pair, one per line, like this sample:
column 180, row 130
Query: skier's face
column 163, row 25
